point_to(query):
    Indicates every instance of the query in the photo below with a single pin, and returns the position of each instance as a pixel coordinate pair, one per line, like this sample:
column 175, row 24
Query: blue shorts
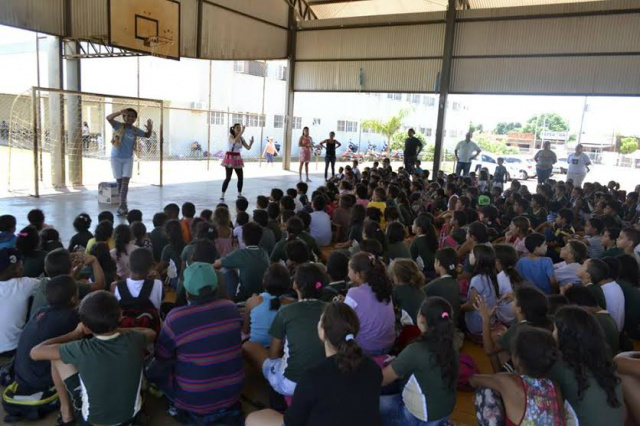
column 273, row 371
column 122, row 167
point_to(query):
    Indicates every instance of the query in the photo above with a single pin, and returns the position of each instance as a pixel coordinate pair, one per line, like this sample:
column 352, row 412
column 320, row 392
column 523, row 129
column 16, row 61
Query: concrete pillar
column 288, row 122
column 53, row 120
column 74, row 118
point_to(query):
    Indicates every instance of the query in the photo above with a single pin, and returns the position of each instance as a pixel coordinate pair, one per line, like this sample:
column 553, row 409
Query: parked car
column 561, row 166
column 517, row 167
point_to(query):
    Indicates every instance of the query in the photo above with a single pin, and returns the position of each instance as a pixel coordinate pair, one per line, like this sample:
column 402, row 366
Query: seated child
column 188, row 213
column 15, row 291
column 260, row 310
column 124, row 248
column 535, row 267
column 407, row 281
column 370, row 297
column 59, row 317
column 446, row 286
column 320, row 227
column 242, row 219
column 28, row 243
column 36, row 219
column 484, row 284
column 138, row 285
column 273, row 210
column 86, row 366
column 525, row 396
column 158, row 237
column 7, row 231
column 296, row 324
column 50, row 240
column 140, row 236
column 430, row 365
column 573, row 254
column 397, row 248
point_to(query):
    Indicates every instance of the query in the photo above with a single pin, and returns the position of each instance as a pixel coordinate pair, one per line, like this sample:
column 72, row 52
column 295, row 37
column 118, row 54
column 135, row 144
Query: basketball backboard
column 146, row 26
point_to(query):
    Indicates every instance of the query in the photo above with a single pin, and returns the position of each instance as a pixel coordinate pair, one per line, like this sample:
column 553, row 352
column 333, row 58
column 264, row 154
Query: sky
column 604, row 116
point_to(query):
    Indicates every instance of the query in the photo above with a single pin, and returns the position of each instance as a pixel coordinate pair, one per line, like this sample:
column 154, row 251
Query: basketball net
column 159, row 46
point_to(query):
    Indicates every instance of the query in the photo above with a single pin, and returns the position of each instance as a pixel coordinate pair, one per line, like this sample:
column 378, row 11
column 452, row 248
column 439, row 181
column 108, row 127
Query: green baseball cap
column 198, row 276
column 484, row 200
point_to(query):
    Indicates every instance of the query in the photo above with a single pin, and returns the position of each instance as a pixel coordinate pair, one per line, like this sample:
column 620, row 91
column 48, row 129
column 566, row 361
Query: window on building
column 215, row 118
column 422, row 130
column 428, row 132
column 278, row 121
column 414, row 99
column 281, row 72
column 255, row 120
column 317, row 121
column 238, row 118
column 395, row 96
column 428, row 100
column 456, row 106
column 240, row 66
column 347, row 126
column 454, row 133
column 255, row 68
column 297, row 122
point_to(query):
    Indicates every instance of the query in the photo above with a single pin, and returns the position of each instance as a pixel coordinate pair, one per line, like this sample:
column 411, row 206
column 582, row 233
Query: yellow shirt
column 380, row 205
column 111, row 242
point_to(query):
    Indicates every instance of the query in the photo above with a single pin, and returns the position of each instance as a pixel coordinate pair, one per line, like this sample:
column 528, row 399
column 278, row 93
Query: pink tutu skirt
column 232, row 160
column 305, row 154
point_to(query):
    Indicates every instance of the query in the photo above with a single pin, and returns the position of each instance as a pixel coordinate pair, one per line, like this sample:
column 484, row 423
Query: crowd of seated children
column 326, row 291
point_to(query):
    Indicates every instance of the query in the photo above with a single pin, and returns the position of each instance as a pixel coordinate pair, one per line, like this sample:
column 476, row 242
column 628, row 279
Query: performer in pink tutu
column 233, row 160
column 305, row 143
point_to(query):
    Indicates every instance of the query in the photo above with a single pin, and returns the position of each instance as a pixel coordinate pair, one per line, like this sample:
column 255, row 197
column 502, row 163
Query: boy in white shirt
column 141, row 263
column 320, row 227
column 241, row 220
column 15, row 291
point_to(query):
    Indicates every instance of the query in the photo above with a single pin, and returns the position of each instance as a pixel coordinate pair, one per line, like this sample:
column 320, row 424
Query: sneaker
column 121, row 211
column 308, row 180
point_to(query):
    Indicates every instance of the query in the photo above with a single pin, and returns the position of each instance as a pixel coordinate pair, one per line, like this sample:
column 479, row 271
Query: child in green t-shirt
column 89, row 364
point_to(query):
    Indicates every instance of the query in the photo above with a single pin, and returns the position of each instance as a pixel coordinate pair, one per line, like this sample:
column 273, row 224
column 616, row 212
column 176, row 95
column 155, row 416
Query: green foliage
column 628, row 145
column 503, row 128
column 495, row 147
column 473, row 128
column 547, row 121
column 387, row 128
column 397, row 140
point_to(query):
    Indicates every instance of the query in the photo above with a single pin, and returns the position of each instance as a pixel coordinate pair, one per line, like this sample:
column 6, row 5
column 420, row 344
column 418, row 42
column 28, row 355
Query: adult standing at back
column 412, row 147
column 545, row 159
column 330, row 156
column 123, row 144
column 579, row 163
column 466, row 151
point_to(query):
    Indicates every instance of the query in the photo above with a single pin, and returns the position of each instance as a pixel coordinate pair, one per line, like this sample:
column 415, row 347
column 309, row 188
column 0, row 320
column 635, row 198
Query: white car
column 561, row 166
column 517, row 168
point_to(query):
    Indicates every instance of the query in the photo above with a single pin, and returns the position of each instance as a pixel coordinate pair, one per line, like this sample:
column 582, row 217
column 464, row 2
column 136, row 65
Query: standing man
column 545, row 159
column 85, row 136
column 579, row 163
column 412, row 148
column 466, row 151
column 123, row 145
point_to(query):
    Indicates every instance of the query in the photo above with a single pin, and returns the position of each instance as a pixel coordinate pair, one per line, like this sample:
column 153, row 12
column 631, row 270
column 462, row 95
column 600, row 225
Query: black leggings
column 329, row 160
column 229, row 172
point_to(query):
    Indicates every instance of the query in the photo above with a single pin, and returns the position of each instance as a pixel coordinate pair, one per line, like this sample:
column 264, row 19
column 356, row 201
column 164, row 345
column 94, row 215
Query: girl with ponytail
column 484, row 284
column 431, row 366
column 407, row 286
column 370, row 297
column 262, row 309
column 344, row 389
column 508, row 280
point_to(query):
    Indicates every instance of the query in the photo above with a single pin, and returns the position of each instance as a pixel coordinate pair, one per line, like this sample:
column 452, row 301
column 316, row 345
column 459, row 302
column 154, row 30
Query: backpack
column 468, row 369
column 138, row 311
column 19, row 407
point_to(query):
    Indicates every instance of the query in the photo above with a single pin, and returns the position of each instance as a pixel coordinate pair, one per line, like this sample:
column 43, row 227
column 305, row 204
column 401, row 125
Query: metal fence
column 52, row 138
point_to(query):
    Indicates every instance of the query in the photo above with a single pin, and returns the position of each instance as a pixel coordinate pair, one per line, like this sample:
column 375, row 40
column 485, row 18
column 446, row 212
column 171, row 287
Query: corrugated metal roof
column 45, row 16
column 371, row 43
column 418, row 75
column 89, row 19
column 328, row 9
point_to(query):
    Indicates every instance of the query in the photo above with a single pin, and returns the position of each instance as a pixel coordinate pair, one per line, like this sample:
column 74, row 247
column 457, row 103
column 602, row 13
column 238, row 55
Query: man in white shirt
column 466, row 151
column 579, row 163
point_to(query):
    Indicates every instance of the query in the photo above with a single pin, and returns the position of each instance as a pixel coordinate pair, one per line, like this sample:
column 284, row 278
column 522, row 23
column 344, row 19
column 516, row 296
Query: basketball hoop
column 159, row 46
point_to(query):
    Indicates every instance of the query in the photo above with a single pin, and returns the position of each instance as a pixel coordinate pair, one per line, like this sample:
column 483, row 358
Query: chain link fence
column 52, row 139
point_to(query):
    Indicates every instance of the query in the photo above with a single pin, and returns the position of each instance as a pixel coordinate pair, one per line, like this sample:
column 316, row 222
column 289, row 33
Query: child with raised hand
column 294, row 324
column 530, row 306
column 508, row 280
column 424, row 246
column 446, row 285
column 431, row 364
column 484, row 284
column 525, row 397
column 407, row 280
column 80, row 239
column 87, row 366
column 536, row 267
column 261, row 309
column 370, row 297
column 585, row 371
column 573, row 254
column 124, row 247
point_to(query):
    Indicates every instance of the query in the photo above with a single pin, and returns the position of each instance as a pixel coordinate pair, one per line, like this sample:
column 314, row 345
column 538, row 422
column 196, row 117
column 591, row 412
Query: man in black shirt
column 412, row 148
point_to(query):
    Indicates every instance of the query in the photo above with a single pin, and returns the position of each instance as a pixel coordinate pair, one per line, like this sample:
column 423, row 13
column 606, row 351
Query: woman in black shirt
column 343, row 390
column 330, row 157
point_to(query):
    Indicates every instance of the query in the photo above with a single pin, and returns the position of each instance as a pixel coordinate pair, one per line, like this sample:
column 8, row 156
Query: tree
column 387, row 128
column 503, row 127
column 628, row 145
column 547, row 121
column 476, row 128
column 495, row 147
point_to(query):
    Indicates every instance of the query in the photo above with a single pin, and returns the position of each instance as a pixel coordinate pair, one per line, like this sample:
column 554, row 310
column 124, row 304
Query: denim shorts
column 122, row 167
